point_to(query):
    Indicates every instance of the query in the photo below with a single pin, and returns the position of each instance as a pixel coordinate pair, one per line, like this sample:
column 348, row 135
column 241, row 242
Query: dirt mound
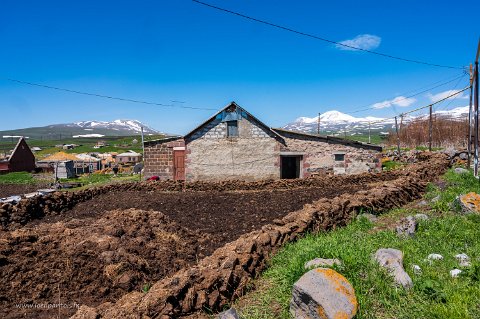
column 91, row 261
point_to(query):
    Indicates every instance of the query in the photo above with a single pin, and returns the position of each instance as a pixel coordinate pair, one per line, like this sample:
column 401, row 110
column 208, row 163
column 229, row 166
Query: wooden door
column 179, row 165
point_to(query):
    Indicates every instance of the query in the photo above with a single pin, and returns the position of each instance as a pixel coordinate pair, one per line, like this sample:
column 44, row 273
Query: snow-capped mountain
column 93, row 129
column 133, row 126
column 335, row 121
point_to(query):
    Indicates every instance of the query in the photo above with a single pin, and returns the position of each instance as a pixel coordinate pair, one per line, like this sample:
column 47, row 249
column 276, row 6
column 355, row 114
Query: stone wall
column 318, row 156
column 212, row 156
column 159, row 159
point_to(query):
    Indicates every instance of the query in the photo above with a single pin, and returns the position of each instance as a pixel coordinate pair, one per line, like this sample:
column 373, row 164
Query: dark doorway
column 290, row 167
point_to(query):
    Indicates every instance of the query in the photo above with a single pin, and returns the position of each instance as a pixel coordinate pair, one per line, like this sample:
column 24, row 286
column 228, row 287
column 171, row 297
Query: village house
column 128, row 157
column 82, row 163
column 233, row 144
column 20, row 160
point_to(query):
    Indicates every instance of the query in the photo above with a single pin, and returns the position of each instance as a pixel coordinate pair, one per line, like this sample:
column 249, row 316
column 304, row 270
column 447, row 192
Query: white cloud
column 398, row 101
column 444, row 94
column 362, row 41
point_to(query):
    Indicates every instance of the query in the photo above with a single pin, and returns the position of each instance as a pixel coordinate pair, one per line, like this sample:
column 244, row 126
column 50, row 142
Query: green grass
column 455, row 184
column 434, row 295
column 17, row 178
column 88, row 180
column 390, row 165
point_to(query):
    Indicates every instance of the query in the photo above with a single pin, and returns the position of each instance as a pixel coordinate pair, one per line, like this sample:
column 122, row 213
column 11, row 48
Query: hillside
column 83, row 129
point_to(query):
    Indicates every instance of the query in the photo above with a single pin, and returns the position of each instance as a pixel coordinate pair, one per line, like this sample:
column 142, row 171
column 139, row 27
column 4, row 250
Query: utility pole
column 318, row 124
column 369, row 139
column 430, row 129
column 475, row 168
column 398, row 136
column 469, row 146
column 143, row 154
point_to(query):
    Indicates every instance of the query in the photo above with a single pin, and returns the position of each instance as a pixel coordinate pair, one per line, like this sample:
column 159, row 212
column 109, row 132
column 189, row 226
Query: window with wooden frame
column 232, row 128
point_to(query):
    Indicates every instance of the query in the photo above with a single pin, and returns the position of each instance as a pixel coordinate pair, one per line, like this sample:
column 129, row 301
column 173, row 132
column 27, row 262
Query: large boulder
column 469, row 203
column 323, row 293
column 392, row 260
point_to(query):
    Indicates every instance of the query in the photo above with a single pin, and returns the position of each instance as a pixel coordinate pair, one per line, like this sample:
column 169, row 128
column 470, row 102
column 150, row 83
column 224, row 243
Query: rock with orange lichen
column 323, row 293
column 470, row 203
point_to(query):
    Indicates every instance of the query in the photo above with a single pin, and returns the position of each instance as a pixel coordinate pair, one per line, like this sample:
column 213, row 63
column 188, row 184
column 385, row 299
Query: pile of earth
column 91, row 261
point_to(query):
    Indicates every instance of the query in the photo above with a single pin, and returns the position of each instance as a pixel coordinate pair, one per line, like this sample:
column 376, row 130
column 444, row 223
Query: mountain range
column 336, row 122
column 331, row 122
column 83, row 129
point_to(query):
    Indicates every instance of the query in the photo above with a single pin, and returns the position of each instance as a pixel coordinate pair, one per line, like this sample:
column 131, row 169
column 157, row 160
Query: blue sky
column 179, row 50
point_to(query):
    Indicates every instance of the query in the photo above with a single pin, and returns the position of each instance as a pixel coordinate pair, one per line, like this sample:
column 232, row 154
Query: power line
column 324, row 39
column 448, row 104
column 108, row 96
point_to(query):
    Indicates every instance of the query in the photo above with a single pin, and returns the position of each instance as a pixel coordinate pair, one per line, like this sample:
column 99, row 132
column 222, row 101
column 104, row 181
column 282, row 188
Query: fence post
column 475, row 168
column 398, row 136
column 430, row 129
column 469, row 146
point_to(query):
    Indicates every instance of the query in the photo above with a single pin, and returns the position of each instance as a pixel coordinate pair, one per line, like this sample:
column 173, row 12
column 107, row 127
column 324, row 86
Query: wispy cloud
column 362, row 41
column 444, row 94
column 398, row 101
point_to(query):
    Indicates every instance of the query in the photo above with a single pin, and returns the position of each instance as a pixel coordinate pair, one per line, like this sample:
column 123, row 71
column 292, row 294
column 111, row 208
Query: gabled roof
column 330, row 139
column 20, row 140
column 233, row 104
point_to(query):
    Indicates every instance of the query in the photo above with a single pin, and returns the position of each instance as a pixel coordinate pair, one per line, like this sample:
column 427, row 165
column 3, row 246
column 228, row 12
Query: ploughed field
column 123, row 241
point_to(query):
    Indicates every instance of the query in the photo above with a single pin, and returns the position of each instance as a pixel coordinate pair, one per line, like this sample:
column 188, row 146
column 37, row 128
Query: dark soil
column 224, row 215
column 91, row 254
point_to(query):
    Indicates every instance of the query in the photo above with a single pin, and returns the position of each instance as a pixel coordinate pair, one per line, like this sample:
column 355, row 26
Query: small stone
column 460, row 170
column 321, row 262
column 435, row 199
column 392, row 260
column 323, row 293
column 455, row 272
column 417, row 270
column 435, row 257
column 422, row 203
column 421, row 217
column 371, row 218
column 407, row 227
column 463, row 259
column 228, row 314
column 463, row 156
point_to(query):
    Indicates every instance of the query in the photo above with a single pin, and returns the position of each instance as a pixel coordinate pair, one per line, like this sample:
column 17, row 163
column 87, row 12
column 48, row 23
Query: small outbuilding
column 20, row 160
column 128, row 157
column 233, row 144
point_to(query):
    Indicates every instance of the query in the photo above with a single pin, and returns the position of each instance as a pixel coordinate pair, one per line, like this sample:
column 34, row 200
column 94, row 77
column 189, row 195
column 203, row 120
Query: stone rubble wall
column 222, row 277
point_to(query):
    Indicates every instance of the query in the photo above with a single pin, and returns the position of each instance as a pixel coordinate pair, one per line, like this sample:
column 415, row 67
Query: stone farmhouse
column 233, row 144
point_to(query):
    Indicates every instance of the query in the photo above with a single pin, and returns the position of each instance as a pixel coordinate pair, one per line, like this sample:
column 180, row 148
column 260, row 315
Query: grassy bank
column 434, row 295
column 17, row 178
